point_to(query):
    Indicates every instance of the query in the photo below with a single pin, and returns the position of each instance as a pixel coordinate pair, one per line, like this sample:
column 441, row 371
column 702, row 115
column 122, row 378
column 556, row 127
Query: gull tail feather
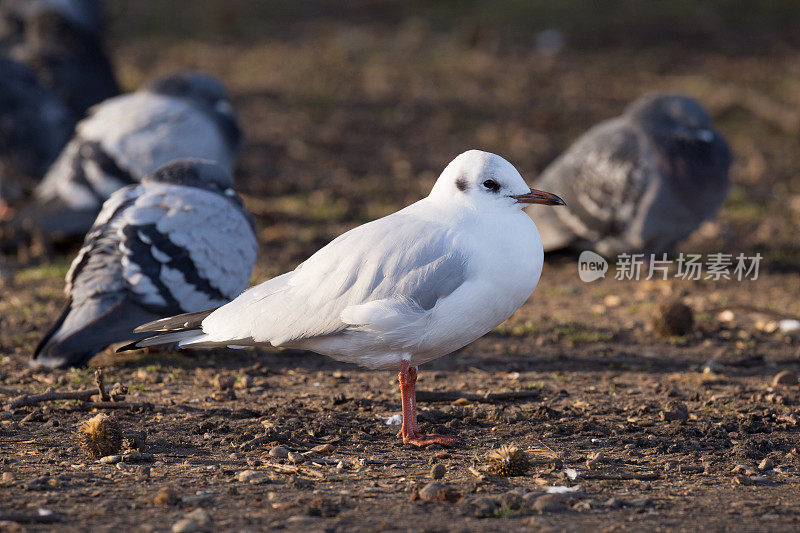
column 183, row 330
column 183, row 322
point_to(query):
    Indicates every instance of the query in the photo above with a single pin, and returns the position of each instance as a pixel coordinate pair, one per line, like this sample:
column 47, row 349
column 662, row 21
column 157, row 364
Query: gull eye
column 491, row 185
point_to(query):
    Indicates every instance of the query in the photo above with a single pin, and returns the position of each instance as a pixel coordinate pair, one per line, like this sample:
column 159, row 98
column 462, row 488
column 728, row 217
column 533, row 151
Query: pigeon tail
column 82, row 331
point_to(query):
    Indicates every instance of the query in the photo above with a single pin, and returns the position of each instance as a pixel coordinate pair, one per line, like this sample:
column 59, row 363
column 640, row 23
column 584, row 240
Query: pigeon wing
column 602, row 177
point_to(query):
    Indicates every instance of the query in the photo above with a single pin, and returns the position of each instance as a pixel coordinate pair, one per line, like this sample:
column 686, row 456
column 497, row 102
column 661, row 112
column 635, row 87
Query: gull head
column 486, row 182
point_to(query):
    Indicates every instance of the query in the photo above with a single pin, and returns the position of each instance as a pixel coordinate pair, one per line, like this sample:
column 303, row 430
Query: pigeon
column 86, row 15
column 398, row 291
column 34, row 126
column 124, row 139
column 179, row 241
column 638, row 183
column 60, row 40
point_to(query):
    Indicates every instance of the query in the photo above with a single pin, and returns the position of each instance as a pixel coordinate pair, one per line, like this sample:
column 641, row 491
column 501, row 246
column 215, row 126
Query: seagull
column 184, row 115
column 179, row 241
column 398, row 291
column 641, row 182
column 34, row 126
column 60, row 40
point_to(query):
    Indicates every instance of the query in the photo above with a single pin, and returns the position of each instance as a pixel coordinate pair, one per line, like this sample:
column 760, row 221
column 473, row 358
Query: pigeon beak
column 538, row 197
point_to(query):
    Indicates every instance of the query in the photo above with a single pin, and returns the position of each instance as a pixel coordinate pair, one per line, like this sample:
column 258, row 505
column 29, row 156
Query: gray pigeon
column 34, row 126
column 60, row 40
column 86, row 15
column 185, row 115
column 638, row 183
column 179, row 241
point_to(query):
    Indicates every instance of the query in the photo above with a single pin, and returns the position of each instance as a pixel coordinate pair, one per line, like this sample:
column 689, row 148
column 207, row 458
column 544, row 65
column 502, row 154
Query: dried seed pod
column 672, row 317
column 508, row 461
column 100, row 436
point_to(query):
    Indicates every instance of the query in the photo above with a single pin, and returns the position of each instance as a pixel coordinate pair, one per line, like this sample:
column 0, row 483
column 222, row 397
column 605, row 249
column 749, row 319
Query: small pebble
column 110, row 459
column 323, row 449
column 789, row 325
column 165, row 496
column 481, row 507
column 8, row 478
column 279, row 452
column 223, row 382
column 549, row 503
column 252, row 476
column 674, row 411
column 199, row 516
column 766, row 464
column 438, row 492
column 296, row 458
column 438, row 471
column 184, row 525
column 784, row 378
column 726, row 316
column 594, row 460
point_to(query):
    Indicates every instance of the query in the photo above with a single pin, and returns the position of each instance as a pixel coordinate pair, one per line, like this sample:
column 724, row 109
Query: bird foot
column 421, row 440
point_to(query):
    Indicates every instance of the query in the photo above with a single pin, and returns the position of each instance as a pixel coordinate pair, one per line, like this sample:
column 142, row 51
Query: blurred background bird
column 61, row 41
column 34, row 125
column 179, row 241
column 641, row 182
column 183, row 115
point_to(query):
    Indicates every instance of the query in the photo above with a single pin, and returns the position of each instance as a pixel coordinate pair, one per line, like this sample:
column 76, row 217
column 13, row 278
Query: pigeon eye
column 491, row 185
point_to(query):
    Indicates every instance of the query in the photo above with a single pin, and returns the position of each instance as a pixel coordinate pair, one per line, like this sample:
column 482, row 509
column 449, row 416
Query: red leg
column 6, row 211
column 409, row 431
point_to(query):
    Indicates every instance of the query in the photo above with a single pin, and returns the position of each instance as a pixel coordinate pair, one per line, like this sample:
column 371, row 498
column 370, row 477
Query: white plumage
column 401, row 290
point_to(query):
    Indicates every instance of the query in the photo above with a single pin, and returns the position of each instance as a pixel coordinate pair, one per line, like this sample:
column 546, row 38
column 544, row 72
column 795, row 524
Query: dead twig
column 644, row 476
column 98, row 379
column 88, row 406
column 108, row 401
column 50, row 396
column 477, row 473
column 249, row 445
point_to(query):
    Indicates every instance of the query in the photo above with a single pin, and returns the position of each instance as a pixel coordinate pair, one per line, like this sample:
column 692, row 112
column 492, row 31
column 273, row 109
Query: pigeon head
column 85, row 16
column 198, row 173
column 696, row 155
column 672, row 116
column 486, row 182
column 208, row 93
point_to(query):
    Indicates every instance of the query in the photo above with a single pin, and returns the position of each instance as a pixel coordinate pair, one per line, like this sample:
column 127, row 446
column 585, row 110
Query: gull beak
column 538, row 197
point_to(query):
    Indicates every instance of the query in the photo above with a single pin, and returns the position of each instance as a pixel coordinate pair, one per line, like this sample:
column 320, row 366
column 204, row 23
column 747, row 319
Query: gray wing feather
column 123, row 140
column 361, row 266
column 602, row 177
column 131, row 259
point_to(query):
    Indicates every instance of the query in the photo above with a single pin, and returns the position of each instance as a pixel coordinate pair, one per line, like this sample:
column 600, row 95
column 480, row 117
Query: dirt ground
column 351, row 115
